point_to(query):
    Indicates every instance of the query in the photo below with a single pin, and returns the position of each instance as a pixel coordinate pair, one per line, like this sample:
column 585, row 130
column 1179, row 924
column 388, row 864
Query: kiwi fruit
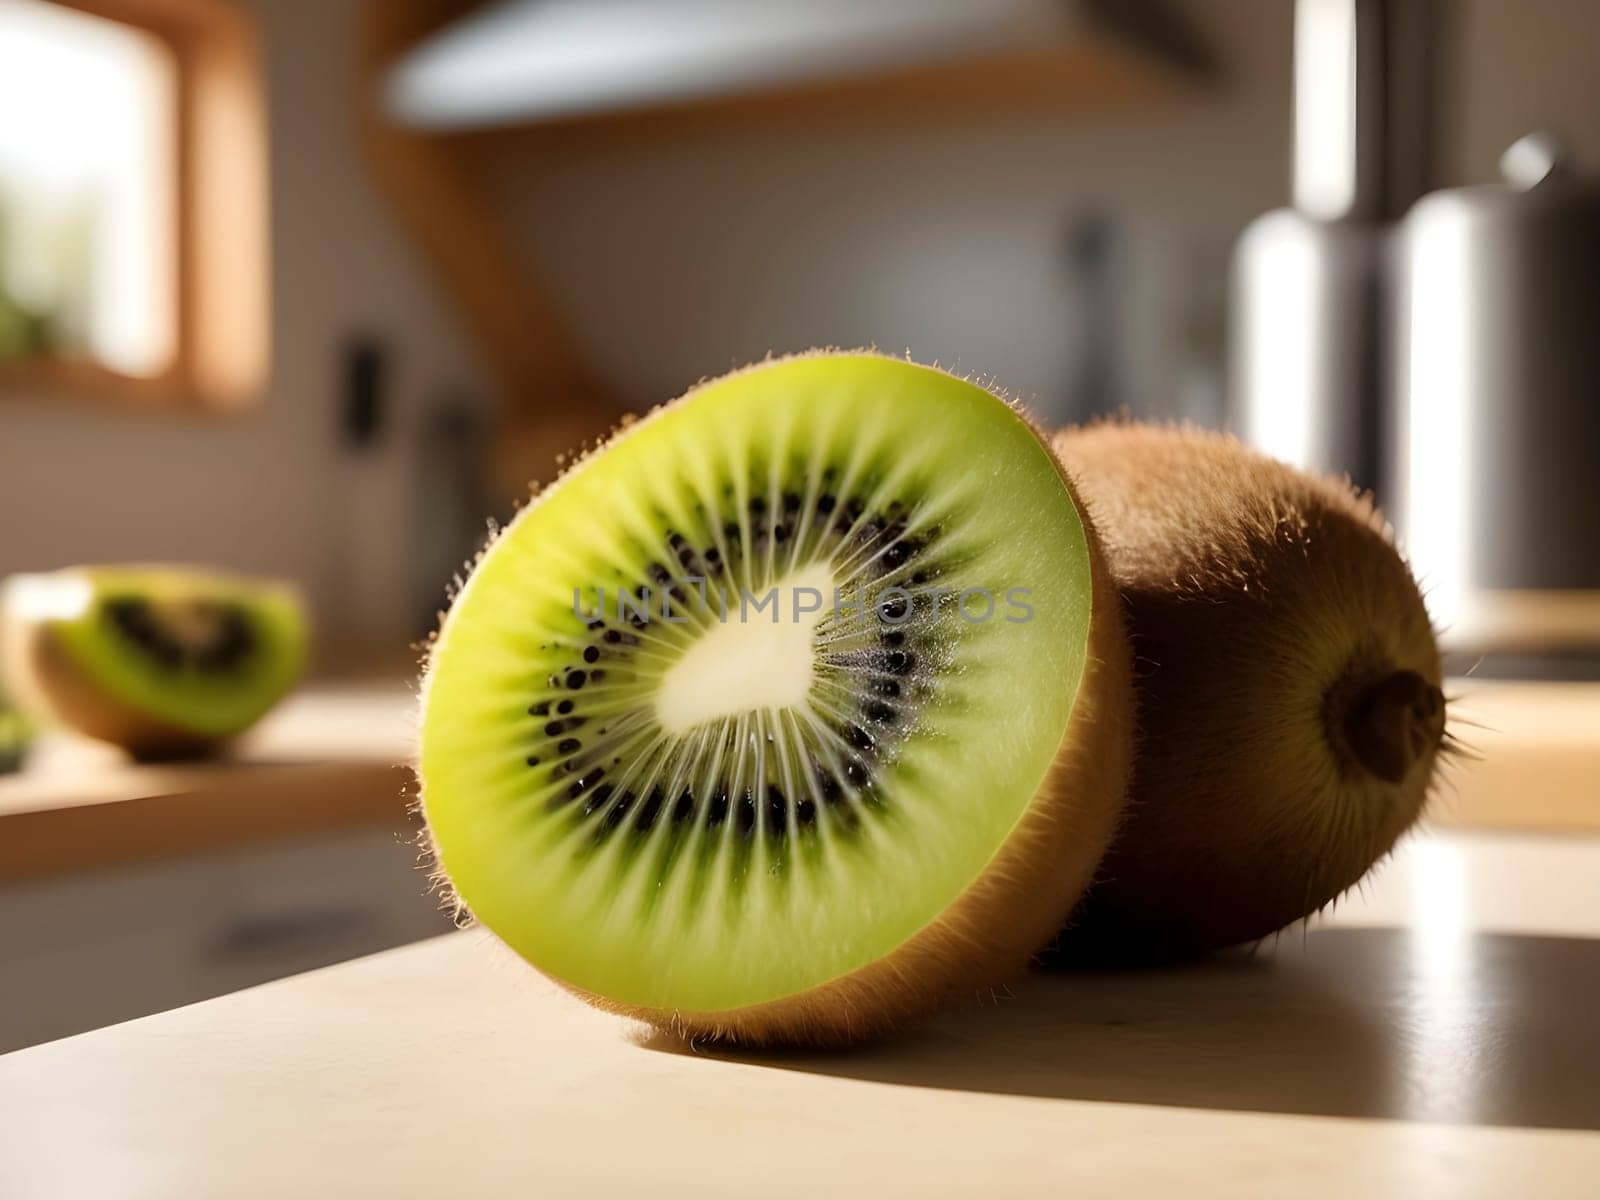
column 166, row 662
column 821, row 781
column 16, row 737
column 1288, row 691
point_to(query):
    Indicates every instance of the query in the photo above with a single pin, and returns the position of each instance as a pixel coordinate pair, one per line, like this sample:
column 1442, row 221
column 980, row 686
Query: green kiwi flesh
column 1287, row 680
column 769, row 827
column 165, row 661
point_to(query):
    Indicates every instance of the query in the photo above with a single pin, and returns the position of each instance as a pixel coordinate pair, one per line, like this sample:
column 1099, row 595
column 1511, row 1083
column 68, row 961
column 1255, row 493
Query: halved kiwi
column 163, row 661
column 877, row 692
column 16, row 736
column 1290, row 715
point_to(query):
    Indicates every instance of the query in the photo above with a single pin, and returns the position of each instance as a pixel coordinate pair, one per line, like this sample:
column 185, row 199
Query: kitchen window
column 132, row 202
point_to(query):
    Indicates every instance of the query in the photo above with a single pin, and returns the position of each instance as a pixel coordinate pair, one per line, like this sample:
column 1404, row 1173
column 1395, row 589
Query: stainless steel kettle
column 1496, row 403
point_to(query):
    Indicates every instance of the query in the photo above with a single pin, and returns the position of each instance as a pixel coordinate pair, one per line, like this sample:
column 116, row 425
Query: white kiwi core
column 757, row 655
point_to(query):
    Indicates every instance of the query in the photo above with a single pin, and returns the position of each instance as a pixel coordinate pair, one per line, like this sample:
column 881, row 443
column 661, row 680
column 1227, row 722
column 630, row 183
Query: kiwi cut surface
column 164, row 661
column 1287, row 680
column 784, row 823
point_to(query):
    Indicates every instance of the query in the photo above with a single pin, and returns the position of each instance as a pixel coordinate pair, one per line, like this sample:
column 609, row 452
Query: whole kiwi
column 1287, row 681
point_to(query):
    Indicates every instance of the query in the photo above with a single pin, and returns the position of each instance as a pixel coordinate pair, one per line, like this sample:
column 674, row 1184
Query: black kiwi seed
column 575, row 679
column 597, row 674
column 541, row 709
column 878, row 711
column 791, row 502
column 805, row 812
column 552, row 728
column 747, row 814
column 886, row 687
column 777, row 813
column 613, row 636
column 563, row 708
column 569, row 746
column 758, row 504
column 898, row 661
column 683, row 810
column 713, row 555
column 533, row 760
column 855, row 772
column 828, row 784
column 894, row 609
column 591, row 654
column 649, row 811
column 858, row 737
column 896, row 555
column 717, row 813
column 600, row 795
column 618, row 812
column 825, row 503
column 584, row 782
column 657, row 573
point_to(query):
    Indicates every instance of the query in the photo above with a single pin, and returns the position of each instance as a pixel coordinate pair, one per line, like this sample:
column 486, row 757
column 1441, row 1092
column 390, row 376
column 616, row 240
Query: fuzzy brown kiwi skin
column 1287, row 681
column 989, row 935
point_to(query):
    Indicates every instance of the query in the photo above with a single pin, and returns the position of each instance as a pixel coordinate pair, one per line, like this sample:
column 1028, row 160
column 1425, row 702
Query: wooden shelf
column 328, row 758
column 335, row 757
column 576, row 63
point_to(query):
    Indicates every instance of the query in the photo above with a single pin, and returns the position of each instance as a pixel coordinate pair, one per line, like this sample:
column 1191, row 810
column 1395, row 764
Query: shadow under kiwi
column 1485, row 1029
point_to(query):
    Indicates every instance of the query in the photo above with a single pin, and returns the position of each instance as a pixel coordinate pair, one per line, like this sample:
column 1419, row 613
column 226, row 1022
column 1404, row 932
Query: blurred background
column 314, row 290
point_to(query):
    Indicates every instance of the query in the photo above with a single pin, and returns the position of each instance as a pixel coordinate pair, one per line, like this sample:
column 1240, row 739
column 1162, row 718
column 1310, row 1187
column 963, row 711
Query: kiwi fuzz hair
column 1287, row 682
column 986, row 936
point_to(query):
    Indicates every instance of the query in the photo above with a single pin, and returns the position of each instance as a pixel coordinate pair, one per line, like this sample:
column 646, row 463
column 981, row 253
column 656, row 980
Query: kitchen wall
column 1534, row 64
column 950, row 241
column 268, row 491
column 676, row 260
column 680, row 259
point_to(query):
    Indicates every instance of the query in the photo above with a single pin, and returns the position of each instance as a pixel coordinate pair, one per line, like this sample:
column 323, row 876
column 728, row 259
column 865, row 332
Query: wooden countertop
column 1435, row 1037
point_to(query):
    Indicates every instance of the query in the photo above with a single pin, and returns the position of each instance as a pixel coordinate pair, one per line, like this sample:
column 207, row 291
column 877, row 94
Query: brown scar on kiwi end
column 1288, row 685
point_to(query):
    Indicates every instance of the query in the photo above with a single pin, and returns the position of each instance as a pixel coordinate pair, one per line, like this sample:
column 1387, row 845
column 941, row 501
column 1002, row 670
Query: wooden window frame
column 222, row 294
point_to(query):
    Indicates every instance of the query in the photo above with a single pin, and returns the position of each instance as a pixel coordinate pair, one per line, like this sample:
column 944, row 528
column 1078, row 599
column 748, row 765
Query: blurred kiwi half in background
column 164, row 661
